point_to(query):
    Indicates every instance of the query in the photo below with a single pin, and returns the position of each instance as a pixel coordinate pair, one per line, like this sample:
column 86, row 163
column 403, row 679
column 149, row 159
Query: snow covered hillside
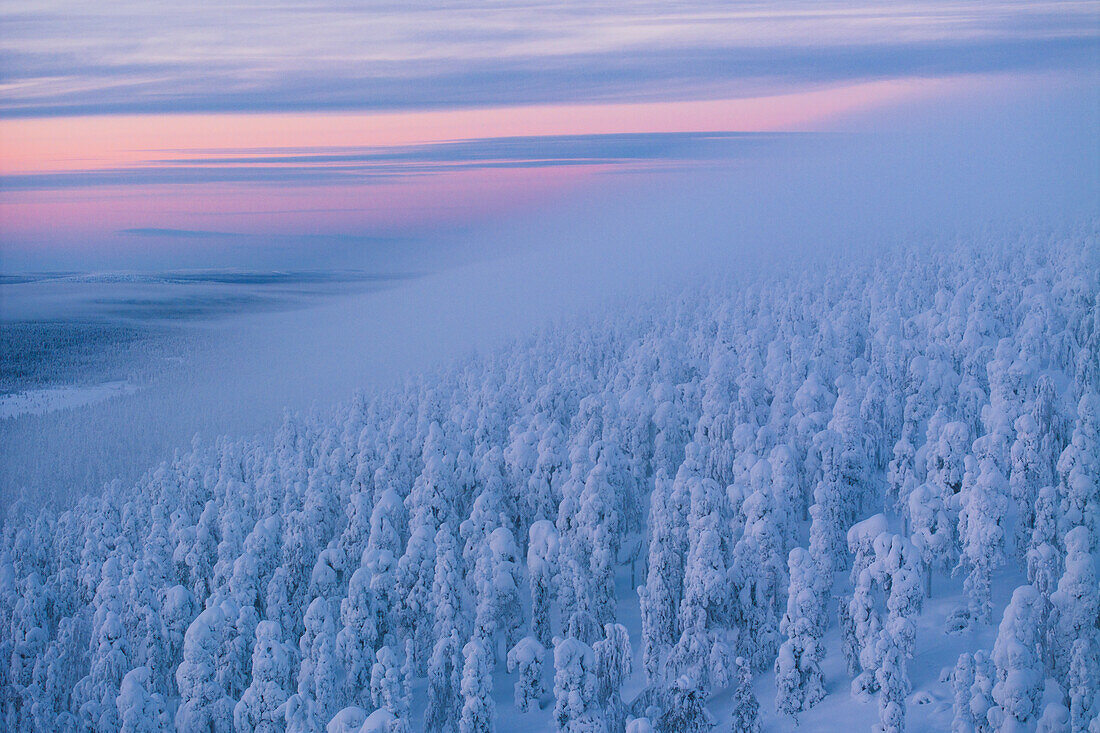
column 828, row 498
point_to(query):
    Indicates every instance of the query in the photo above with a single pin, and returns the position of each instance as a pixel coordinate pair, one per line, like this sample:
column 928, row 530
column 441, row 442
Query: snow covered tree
column 278, row 604
column 1055, row 719
column 58, row 671
column 380, row 558
column 981, row 527
column 862, row 537
column 582, row 626
column 262, row 546
column 572, row 563
column 488, row 512
column 787, row 488
column 237, row 644
column 327, row 576
column 477, row 689
column 962, row 678
column 672, row 429
column 389, row 688
column 1018, row 689
column 544, row 485
column 599, row 532
column 349, row 720
column 575, row 687
column 719, row 390
column 325, row 677
column 830, row 511
column 798, row 677
column 901, row 478
column 946, row 457
column 519, row 457
column 1078, row 469
column 139, row 709
column 29, row 635
column 613, row 666
column 98, row 690
column 444, row 683
column 203, row 703
column 703, row 650
column 746, row 709
column 297, row 555
column 414, row 572
column 203, row 551
column 886, row 642
column 1076, row 601
column 759, row 575
column 429, row 504
column 542, row 562
column 353, row 538
column 149, row 645
column 813, row 405
column 893, row 684
column 932, row 531
column 449, row 595
column 686, row 708
column 1030, row 472
column 1084, row 683
column 855, row 454
column 972, row 685
column 1044, row 561
column 356, row 640
column 498, row 577
column 660, row 596
column 258, row 709
column 526, row 658
column 445, row 664
column 317, row 698
column 849, row 644
column 626, row 476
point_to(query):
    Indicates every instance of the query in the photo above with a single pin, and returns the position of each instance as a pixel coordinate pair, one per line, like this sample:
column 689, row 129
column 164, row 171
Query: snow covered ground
column 41, row 401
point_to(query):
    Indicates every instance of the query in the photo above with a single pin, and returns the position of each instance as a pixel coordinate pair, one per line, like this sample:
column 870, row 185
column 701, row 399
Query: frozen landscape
column 866, row 490
column 571, row 367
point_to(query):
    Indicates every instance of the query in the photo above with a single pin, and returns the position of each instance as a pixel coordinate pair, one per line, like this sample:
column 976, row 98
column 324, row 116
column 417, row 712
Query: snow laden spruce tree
column 542, row 561
column 477, row 689
column 746, row 709
column 203, row 703
column 659, row 598
column 576, row 709
column 258, row 708
column 798, row 677
column 526, row 660
column 1018, row 689
column 982, row 531
column 887, row 640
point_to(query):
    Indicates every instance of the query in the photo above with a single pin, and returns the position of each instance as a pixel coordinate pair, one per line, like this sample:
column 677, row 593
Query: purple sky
column 131, row 127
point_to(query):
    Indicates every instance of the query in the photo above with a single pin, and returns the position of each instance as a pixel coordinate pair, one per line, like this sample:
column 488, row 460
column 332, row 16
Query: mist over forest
column 591, row 369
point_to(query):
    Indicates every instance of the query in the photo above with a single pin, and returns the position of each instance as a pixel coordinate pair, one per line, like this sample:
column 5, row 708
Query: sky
column 159, row 134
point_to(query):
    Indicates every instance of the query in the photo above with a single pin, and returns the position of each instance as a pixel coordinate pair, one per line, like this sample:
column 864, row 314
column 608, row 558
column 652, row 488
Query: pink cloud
column 440, row 199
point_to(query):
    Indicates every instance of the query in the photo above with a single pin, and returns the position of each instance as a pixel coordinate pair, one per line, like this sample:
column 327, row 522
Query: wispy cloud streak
column 384, row 164
column 157, row 56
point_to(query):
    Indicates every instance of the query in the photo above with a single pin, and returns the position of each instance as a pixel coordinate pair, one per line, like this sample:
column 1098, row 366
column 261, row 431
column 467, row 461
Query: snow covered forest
column 817, row 497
